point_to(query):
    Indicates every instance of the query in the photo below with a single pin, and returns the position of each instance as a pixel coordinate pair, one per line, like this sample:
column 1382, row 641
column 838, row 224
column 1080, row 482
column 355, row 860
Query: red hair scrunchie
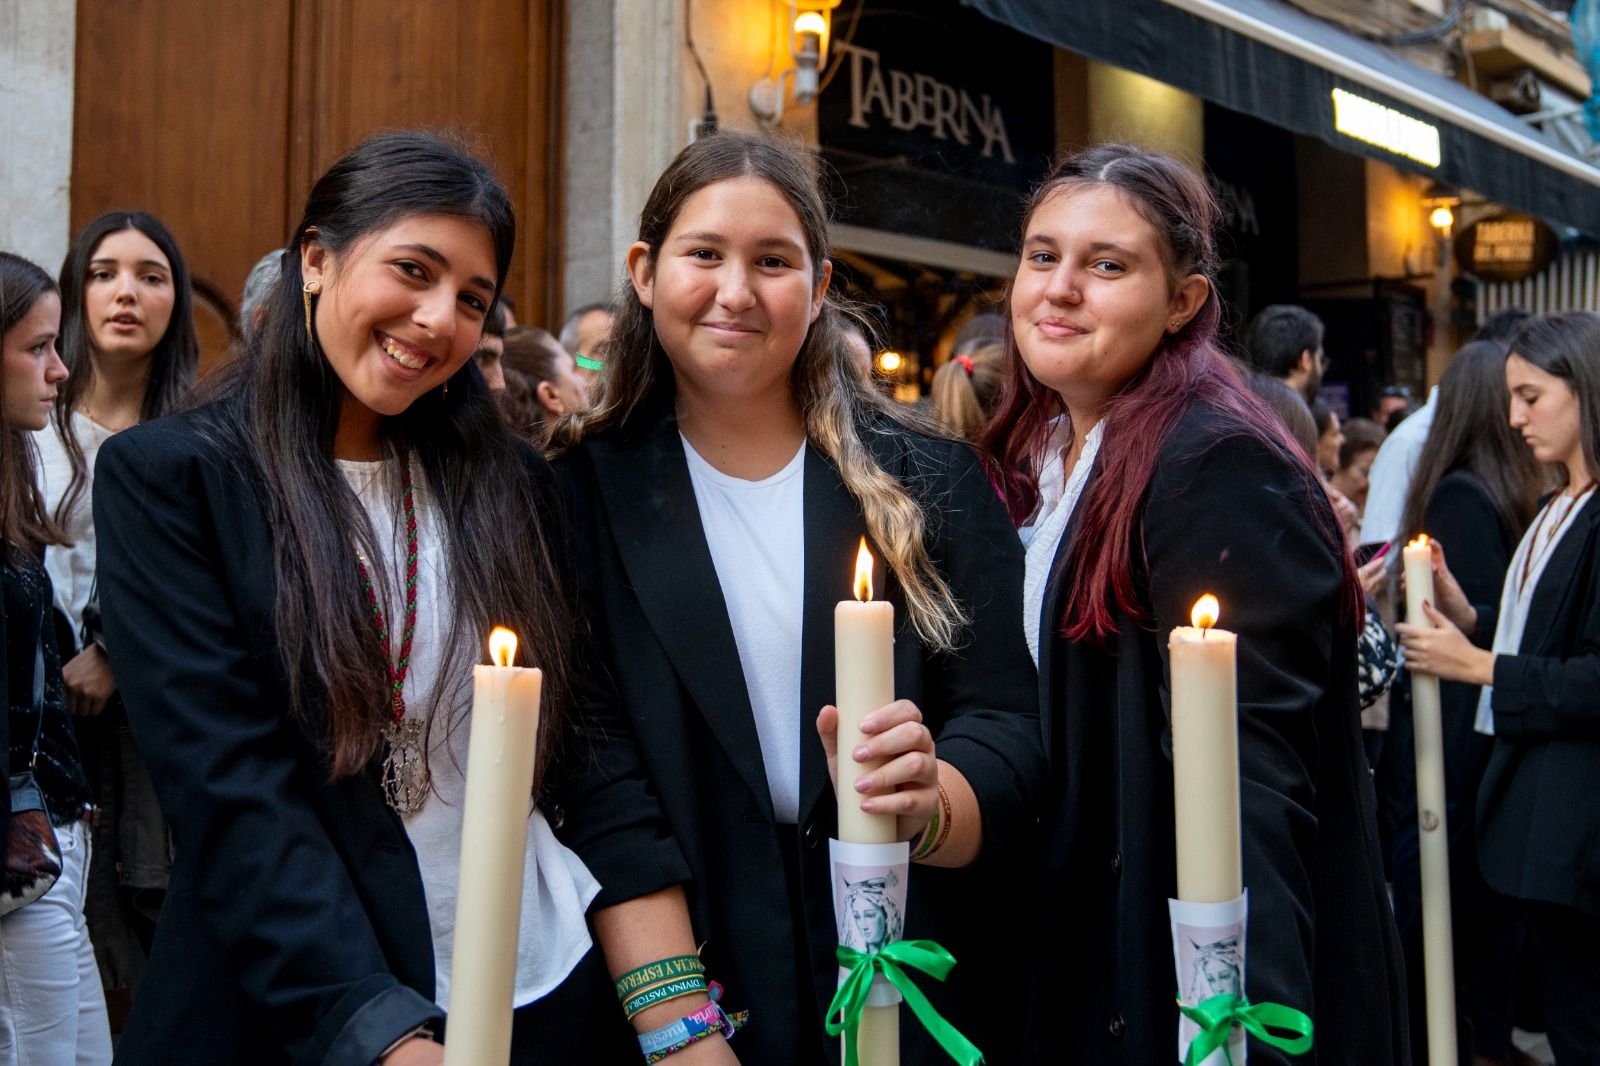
column 965, row 362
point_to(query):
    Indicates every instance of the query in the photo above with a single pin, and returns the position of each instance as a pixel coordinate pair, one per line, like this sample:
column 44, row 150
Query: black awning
column 1267, row 59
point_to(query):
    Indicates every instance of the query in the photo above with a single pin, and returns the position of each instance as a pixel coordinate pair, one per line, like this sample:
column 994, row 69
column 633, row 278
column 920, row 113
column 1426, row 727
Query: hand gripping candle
column 863, row 635
column 1433, row 838
column 494, row 842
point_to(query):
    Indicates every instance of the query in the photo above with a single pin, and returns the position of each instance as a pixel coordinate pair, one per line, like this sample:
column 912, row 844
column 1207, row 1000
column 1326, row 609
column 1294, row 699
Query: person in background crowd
column 966, row 389
column 520, row 410
column 584, row 334
column 1285, row 342
column 298, row 577
column 1392, row 400
column 1397, row 458
column 1329, row 438
column 551, row 374
column 491, row 349
column 127, row 336
column 1127, row 448
column 979, row 331
column 1540, row 680
column 1475, row 489
column 1362, row 437
column 855, row 335
column 722, row 480
column 257, row 284
column 508, row 311
column 52, row 1007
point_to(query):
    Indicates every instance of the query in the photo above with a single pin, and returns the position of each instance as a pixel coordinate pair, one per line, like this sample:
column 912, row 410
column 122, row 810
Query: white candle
column 1433, row 834
column 1205, row 757
column 494, row 841
column 863, row 649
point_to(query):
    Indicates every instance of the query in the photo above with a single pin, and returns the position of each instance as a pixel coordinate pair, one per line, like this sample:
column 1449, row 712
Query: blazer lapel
column 834, row 527
column 1550, row 599
column 655, row 523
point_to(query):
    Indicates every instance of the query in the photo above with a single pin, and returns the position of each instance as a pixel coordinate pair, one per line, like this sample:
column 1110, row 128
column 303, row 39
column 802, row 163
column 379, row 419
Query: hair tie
column 965, row 362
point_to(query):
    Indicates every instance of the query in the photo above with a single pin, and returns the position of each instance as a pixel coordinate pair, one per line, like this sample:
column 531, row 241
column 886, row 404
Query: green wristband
column 636, row 980
column 683, row 986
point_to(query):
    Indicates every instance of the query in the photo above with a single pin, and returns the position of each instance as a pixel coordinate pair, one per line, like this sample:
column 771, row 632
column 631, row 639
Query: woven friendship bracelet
column 637, row 980
column 683, row 986
column 938, row 830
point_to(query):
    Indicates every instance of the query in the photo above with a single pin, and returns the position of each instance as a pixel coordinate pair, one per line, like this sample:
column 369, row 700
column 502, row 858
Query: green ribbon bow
column 892, row 961
column 1217, row 1016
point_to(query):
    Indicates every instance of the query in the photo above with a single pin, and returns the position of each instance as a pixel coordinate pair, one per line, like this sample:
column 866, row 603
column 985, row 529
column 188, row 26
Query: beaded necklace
column 405, row 767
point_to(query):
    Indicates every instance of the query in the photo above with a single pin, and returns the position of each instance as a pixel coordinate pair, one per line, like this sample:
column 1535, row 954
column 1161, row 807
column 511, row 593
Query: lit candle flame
column 1421, row 541
column 1206, row 612
column 863, row 572
column 502, row 646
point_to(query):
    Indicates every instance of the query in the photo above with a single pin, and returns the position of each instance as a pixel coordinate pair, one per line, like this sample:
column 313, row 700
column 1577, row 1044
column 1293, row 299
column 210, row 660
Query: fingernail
column 869, row 806
column 865, row 784
column 862, row 753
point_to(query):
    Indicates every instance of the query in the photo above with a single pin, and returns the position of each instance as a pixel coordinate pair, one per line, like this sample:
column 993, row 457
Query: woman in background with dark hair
column 127, row 336
column 1540, row 680
column 1145, row 474
column 1474, row 491
column 52, row 1010
column 966, row 389
column 297, row 580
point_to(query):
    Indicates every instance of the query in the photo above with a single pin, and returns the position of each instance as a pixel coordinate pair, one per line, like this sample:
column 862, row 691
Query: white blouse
column 71, row 568
column 1058, row 498
column 557, row 888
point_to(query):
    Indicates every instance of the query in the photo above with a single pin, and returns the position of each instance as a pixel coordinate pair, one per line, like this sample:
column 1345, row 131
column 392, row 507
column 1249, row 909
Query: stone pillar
column 623, row 126
column 37, row 40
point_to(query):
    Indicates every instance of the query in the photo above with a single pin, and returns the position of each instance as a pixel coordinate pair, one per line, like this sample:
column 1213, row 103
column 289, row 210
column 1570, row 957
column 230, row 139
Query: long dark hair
column 1470, row 432
column 1568, row 346
column 25, row 522
column 500, row 565
column 172, row 361
column 1187, row 367
column 838, row 403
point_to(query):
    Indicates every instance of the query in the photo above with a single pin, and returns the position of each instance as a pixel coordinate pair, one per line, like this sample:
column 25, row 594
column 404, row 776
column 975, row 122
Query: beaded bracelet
column 640, row 978
column 663, row 993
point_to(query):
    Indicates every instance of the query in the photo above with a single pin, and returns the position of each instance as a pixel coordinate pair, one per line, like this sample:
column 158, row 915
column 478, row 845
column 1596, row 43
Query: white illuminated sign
column 1372, row 123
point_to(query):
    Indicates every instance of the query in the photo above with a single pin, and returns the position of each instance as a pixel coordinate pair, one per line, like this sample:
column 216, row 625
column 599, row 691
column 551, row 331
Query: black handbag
column 33, row 855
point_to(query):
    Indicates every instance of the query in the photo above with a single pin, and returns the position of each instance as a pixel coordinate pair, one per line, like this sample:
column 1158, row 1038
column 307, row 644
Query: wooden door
column 217, row 115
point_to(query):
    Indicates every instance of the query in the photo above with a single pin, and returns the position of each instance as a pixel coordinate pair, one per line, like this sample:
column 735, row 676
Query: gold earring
column 447, row 386
column 310, row 290
column 1177, row 324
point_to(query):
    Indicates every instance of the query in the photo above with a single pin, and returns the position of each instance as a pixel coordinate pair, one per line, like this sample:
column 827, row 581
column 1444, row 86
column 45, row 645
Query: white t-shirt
column 556, row 886
column 72, row 568
column 756, row 531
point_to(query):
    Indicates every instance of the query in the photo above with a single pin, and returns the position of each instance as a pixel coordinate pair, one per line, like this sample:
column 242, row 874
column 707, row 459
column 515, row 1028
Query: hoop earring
column 310, row 291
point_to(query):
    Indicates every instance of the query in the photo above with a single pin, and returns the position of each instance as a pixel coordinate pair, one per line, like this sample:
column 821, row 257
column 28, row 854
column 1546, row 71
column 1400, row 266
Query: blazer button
column 558, row 817
column 1116, row 862
column 1117, row 1026
column 811, row 835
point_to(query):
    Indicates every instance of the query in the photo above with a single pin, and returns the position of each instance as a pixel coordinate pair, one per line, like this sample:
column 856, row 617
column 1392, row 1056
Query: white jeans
column 52, row 1008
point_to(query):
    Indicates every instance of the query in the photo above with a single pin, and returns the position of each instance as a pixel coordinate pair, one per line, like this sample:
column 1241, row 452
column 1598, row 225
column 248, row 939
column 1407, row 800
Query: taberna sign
column 936, row 121
column 1506, row 246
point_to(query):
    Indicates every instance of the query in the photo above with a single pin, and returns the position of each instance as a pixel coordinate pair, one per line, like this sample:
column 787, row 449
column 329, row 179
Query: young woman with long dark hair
column 127, row 336
column 722, row 479
column 1146, row 474
column 1539, row 679
column 1475, row 490
column 52, row 1010
column 297, row 578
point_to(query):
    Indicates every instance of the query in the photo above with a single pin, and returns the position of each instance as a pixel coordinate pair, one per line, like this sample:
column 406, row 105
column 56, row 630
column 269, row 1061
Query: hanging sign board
column 936, row 121
column 1508, row 246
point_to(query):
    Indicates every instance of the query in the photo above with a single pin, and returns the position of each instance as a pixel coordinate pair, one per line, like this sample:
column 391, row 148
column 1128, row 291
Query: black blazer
column 1224, row 514
column 1539, row 838
column 655, row 600
column 295, row 927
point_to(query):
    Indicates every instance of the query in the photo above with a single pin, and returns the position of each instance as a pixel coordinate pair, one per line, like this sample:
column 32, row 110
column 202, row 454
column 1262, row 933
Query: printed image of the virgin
column 1214, row 970
column 870, row 919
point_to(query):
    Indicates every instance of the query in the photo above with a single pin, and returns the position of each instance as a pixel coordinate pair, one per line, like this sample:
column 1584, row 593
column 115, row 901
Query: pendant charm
column 405, row 768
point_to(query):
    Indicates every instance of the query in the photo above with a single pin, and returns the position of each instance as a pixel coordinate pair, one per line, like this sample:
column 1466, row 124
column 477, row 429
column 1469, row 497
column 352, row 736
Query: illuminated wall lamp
column 1442, row 219
column 809, row 29
column 890, row 362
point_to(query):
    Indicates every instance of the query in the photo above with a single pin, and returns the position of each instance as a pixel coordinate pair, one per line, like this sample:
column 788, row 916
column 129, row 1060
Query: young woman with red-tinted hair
column 1143, row 473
